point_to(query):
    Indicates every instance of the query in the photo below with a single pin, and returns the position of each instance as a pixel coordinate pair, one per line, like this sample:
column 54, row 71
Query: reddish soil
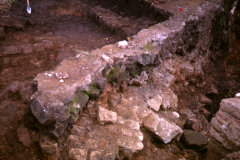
column 58, row 18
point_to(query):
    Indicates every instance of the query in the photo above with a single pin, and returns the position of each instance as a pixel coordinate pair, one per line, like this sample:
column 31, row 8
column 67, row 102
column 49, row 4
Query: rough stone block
column 155, row 102
column 78, row 130
column 187, row 113
column 151, row 122
column 194, row 139
column 138, row 135
column 47, row 44
column 27, row 48
column 10, row 50
column 92, row 144
column 132, row 124
column 170, row 100
column 186, row 68
column 44, row 109
column 24, row 136
column 126, row 132
column 105, row 116
column 166, row 130
column 125, row 142
column 120, row 120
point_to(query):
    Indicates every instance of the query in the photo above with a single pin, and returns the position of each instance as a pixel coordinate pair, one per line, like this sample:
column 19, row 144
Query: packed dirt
column 72, row 33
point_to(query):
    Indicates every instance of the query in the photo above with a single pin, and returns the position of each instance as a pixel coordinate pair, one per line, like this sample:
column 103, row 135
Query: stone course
column 225, row 130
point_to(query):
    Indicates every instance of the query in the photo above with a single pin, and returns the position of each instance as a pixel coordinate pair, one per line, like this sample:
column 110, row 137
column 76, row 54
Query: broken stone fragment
column 175, row 115
column 170, row 100
column 186, row 68
column 187, row 113
column 132, row 124
column 204, row 99
column 205, row 112
column 24, row 136
column 194, row 139
column 237, row 95
column 139, row 80
column 61, row 75
column 164, row 129
column 155, row 102
column 213, row 89
column 120, row 120
column 105, row 116
column 123, row 44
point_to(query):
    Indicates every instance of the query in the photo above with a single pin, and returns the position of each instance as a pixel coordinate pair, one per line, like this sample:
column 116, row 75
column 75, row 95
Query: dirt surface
column 71, row 33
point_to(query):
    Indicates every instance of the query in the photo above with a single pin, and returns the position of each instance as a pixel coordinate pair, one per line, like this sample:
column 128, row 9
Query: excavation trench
column 170, row 67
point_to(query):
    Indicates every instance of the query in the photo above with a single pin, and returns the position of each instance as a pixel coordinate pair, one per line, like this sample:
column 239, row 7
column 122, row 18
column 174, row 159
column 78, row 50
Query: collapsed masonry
column 166, row 53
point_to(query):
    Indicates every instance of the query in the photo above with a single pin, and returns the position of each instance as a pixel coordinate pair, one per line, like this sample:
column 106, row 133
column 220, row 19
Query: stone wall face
column 225, row 133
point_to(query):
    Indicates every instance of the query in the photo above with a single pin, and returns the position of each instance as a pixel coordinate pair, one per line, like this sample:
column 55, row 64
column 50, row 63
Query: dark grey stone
column 101, row 83
column 193, row 139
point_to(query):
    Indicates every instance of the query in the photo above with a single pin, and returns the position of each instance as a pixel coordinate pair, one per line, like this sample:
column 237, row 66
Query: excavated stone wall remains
column 117, row 101
column 156, row 62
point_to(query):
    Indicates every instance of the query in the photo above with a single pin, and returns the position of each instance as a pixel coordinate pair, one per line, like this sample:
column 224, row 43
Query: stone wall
column 165, row 53
column 225, row 134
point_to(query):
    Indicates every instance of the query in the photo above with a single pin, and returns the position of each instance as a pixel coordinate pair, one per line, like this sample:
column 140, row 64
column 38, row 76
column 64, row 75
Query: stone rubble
column 165, row 130
column 105, row 116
